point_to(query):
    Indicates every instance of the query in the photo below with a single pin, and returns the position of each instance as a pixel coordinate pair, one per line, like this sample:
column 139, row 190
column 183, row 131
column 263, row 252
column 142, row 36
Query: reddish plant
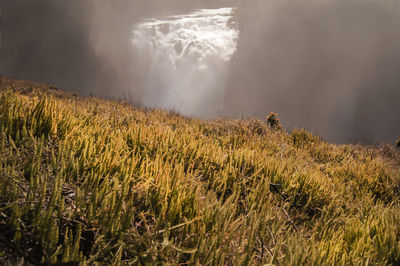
column 273, row 121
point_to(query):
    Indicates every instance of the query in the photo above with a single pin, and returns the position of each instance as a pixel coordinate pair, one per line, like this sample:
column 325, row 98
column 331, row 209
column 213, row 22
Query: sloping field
column 90, row 180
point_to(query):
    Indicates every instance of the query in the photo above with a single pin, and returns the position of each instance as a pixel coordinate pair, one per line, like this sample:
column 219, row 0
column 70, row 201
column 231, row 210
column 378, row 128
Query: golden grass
column 89, row 180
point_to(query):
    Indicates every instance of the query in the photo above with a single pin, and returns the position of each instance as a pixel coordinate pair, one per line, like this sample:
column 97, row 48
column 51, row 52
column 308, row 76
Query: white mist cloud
column 186, row 58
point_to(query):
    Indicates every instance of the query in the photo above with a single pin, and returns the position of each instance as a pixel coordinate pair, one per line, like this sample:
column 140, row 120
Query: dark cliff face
column 329, row 66
column 46, row 40
column 80, row 44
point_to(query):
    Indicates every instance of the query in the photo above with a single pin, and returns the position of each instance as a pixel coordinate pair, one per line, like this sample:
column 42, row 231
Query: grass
column 88, row 180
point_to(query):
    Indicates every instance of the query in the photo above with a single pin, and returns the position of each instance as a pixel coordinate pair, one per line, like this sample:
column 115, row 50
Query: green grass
column 90, row 180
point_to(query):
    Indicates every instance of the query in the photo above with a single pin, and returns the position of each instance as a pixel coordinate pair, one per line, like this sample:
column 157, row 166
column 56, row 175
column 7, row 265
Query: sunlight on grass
column 90, row 180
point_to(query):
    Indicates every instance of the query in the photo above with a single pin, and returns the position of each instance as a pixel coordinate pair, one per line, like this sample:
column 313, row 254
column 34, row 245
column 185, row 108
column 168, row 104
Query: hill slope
column 91, row 180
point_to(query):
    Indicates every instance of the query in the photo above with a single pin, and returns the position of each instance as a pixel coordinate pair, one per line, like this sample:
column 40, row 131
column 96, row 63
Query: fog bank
column 330, row 66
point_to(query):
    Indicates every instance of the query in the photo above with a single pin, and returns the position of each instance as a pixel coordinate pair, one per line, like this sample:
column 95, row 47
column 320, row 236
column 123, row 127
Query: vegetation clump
column 302, row 138
column 93, row 181
column 273, row 121
column 398, row 144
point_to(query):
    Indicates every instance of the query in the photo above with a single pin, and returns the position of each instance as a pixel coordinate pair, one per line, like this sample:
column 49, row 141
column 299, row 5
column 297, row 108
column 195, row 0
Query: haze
column 330, row 66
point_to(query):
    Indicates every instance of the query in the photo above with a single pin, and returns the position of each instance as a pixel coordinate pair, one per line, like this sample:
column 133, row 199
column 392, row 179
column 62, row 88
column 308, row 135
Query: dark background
column 330, row 66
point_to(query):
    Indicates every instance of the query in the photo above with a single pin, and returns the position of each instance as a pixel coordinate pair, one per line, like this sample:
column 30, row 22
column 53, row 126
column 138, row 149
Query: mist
column 83, row 45
column 185, row 60
column 330, row 66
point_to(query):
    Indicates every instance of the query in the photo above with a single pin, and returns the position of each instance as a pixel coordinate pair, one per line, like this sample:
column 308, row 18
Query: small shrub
column 273, row 121
column 256, row 127
column 302, row 138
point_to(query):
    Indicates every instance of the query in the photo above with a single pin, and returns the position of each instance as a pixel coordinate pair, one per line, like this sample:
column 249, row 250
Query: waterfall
column 185, row 60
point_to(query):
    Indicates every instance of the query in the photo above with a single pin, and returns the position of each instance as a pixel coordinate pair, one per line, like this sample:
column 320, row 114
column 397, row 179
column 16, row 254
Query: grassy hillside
column 91, row 180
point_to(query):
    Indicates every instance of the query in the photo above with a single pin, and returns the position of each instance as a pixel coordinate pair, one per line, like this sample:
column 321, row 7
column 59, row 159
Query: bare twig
column 274, row 187
column 179, row 225
column 290, row 220
column 263, row 245
column 13, row 180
